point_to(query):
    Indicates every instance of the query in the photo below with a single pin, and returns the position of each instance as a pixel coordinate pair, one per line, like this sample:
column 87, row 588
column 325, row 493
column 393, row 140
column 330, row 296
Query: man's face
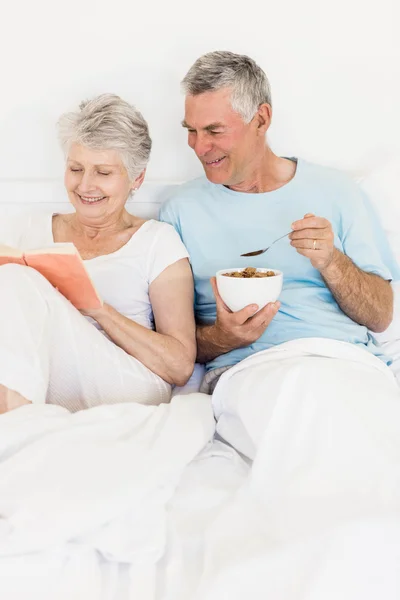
column 226, row 146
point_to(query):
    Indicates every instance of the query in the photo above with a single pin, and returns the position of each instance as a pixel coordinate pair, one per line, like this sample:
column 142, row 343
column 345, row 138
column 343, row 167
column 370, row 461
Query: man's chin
column 217, row 177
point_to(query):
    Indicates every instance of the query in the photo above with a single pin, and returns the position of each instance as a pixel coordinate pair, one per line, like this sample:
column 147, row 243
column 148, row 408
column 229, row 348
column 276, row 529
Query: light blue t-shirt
column 217, row 225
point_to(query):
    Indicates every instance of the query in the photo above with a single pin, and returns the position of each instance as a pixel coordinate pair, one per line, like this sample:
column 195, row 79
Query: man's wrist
column 210, row 338
column 215, row 337
column 219, row 338
column 333, row 269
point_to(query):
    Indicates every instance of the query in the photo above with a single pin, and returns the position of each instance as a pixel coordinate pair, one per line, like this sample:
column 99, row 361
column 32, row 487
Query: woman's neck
column 98, row 228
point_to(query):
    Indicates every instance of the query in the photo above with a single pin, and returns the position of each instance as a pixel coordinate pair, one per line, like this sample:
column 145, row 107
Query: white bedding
column 139, row 502
column 319, row 518
column 93, row 485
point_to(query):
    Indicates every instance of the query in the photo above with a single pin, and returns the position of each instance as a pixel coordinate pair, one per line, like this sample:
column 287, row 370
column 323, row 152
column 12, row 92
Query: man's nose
column 202, row 146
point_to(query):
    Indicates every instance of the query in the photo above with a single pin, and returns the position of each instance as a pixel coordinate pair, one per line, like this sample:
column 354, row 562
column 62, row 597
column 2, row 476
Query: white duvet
column 319, row 518
column 74, row 487
column 177, row 516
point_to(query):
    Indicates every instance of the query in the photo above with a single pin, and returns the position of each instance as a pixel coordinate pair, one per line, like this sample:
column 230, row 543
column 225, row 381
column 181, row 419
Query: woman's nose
column 86, row 183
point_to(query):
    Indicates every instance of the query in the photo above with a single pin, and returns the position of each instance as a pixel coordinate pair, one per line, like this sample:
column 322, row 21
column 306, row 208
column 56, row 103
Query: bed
column 149, row 503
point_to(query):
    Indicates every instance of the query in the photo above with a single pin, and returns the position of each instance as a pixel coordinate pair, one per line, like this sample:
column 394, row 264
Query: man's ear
column 136, row 183
column 263, row 118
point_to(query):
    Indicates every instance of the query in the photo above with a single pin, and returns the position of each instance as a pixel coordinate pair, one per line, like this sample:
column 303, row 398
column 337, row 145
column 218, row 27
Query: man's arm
column 232, row 330
column 364, row 297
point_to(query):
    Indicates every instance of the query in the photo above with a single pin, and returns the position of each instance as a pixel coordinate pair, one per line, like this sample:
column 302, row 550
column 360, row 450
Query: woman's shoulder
column 159, row 226
column 167, row 248
column 161, row 231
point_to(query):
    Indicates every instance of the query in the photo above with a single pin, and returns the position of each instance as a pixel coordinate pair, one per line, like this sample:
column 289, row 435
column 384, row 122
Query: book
column 63, row 267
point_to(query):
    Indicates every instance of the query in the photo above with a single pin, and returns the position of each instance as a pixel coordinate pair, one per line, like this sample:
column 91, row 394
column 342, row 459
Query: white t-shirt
column 121, row 278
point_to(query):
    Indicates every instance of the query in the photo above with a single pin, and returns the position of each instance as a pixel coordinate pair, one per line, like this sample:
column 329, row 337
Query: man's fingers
column 241, row 316
column 309, row 253
column 213, row 282
column 311, row 223
column 221, row 306
column 310, row 244
column 313, row 234
column 266, row 314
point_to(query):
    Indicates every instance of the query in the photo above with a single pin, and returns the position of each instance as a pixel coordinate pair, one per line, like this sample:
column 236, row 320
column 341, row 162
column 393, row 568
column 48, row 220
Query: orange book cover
column 63, row 267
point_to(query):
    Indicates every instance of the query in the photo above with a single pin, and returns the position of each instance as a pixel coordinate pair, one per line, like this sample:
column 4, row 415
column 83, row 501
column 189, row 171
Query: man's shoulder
column 323, row 175
column 331, row 187
column 189, row 192
column 323, row 172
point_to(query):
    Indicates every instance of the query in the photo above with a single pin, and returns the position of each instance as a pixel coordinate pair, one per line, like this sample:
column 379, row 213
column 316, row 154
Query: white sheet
column 131, row 502
column 95, row 483
column 320, row 515
column 208, row 485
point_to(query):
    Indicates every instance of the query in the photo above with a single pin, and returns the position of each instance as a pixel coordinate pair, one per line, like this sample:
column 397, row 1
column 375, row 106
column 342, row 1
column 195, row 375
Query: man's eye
column 75, row 170
column 215, row 132
column 103, row 173
column 191, row 130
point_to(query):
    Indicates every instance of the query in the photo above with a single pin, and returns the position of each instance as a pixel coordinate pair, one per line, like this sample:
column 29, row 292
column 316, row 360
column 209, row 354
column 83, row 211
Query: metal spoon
column 257, row 252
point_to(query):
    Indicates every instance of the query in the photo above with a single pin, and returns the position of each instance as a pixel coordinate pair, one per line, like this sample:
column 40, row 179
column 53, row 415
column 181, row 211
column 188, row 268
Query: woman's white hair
column 216, row 70
column 108, row 122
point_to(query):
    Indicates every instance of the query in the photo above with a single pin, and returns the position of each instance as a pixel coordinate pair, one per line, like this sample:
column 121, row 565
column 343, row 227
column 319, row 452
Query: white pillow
column 382, row 185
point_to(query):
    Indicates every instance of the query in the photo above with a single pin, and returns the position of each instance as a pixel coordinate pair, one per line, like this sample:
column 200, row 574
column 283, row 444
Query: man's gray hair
column 216, row 70
column 108, row 122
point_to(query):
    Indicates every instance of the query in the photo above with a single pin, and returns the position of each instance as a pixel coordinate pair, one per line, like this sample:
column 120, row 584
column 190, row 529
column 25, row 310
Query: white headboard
column 17, row 197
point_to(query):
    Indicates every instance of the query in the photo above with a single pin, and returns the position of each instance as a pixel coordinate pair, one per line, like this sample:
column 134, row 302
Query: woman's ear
column 136, row 183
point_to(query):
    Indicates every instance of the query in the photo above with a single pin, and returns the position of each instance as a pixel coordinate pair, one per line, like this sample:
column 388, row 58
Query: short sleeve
column 167, row 249
column 169, row 215
column 364, row 240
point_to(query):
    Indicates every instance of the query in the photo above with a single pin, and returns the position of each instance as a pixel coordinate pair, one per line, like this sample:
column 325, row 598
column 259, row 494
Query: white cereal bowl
column 238, row 292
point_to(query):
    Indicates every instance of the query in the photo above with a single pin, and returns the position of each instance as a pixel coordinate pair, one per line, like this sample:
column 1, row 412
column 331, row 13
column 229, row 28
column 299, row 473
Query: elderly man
column 336, row 262
column 299, row 387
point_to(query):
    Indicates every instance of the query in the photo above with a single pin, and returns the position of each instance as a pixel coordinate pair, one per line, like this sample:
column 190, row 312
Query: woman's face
column 97, row 182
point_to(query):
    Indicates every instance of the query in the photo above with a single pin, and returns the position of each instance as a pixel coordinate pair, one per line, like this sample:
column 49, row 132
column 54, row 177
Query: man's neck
column 269, row 174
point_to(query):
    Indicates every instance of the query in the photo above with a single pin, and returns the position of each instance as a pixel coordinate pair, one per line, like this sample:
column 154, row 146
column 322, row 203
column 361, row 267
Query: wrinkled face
column 97, row 182
column 225, row 145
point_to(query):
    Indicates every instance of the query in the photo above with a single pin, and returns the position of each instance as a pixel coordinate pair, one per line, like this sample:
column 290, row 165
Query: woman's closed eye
column 75, row 170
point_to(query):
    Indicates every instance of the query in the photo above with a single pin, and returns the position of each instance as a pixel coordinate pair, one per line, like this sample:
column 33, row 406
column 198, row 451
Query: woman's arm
column 170, row 351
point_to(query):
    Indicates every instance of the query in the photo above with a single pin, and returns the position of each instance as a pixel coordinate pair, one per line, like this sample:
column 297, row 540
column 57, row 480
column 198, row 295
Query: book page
column 68, row 274
column 11, row 255
column 56, row 248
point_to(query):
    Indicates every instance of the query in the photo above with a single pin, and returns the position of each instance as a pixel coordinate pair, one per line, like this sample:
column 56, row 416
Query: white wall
column 333, row 66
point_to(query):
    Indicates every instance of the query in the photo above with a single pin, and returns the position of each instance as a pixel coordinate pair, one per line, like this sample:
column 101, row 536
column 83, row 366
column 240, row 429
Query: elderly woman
column 143, row 338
